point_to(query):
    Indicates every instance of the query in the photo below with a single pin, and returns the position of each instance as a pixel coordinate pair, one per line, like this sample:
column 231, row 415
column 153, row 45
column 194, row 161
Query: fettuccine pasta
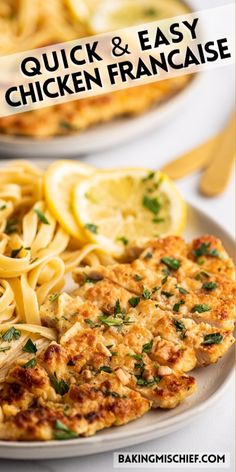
column 36, row 253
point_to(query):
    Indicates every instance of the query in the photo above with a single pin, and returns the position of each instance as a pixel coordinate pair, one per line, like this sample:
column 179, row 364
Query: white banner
column 121, row 59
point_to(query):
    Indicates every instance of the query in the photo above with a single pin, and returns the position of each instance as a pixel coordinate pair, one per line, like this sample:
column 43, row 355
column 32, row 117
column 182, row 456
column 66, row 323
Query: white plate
column 99, row 137
column 212, row 382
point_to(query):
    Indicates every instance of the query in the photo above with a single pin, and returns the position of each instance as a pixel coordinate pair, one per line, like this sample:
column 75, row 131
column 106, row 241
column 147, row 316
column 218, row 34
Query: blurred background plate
column 100, row 137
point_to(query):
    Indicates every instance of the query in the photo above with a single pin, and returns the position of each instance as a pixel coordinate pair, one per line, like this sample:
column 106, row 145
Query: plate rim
column 182, row 418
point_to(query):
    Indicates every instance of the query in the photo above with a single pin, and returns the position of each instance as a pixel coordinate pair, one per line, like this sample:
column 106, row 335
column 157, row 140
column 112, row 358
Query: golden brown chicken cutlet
column 126, row 339
column 76, row 116
column 83, row 410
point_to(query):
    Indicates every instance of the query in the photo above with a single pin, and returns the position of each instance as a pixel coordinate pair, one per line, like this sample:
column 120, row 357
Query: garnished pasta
column 35, row 256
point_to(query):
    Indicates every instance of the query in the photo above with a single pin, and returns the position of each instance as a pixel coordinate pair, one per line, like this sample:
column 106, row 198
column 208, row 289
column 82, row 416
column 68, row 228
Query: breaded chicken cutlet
column 76, row 116
column 126, row 340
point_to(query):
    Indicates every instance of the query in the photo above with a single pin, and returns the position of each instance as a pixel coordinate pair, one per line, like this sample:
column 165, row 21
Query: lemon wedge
column 59, row 180
column 78, row 9
column 121, row 206
column 111, row 15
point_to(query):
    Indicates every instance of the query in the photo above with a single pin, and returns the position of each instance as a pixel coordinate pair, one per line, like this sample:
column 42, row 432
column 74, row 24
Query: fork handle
column 217, row 174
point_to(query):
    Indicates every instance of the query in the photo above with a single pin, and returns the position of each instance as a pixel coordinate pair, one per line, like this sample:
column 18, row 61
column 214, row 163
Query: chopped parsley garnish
column 202, row 275
column 146, row 293
column 158, row 220
column 204, row 250
column 200, row 261
column 171, row 263
column 150, row 12
column 30, row 364
column 3, row 207
column 177, row 306
column 148, row 255
column 67, row 126
column 108, row 321
column 200, row 308
column 61, row 431
column 147, row 347
column 110, row 393
column 3, row 349
column 11, row 226
column 150, row 176
column 179, row 326
column 213, row 338
column 90, row 323
column 209, row 286
column 166, row 294
column 167, row 273
column 138, row 277
column 54, row 297
column 92, row 228
column 123, row 240
column 148, row 383
column 105, row 368
column 134, row 301
column 152, row 204
column 182, row 290
column 15, row 252
column 71, row 363
column 41, row 216
column 10, row 334
column 117, row 308
column 137, row 357
column 60, row 386
column 155, row 289
column 30, row 346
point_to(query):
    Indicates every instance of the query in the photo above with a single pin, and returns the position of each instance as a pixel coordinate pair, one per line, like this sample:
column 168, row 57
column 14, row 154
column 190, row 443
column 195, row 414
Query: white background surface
column 205, row 114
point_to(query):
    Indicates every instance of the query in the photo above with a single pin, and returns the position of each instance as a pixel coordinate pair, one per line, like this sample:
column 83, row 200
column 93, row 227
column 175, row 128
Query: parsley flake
column 60, row 386
column 123, row 240
column 105, row 368
column 213, row 338
column 92, row 228
column 200, row 308
column 10, row 334
column 147, row 347
column 134, row 301
column 204, row 250
column 182, row 290
column 61, row 431
column 177, row 305
column 209, row 286
column 41, row 216
column 146, row 293
column 171, row 262
column 30, row 364
column 30, row 346
column 152, row 204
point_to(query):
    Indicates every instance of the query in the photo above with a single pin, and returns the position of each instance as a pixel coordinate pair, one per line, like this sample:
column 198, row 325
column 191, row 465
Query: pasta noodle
column 26, row 25
column 35, row 255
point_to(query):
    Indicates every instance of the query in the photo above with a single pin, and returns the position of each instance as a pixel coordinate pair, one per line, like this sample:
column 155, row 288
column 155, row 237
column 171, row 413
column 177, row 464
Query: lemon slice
column 79, row 9
column 59, row 180
column 111, row 15
column 121, row 206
